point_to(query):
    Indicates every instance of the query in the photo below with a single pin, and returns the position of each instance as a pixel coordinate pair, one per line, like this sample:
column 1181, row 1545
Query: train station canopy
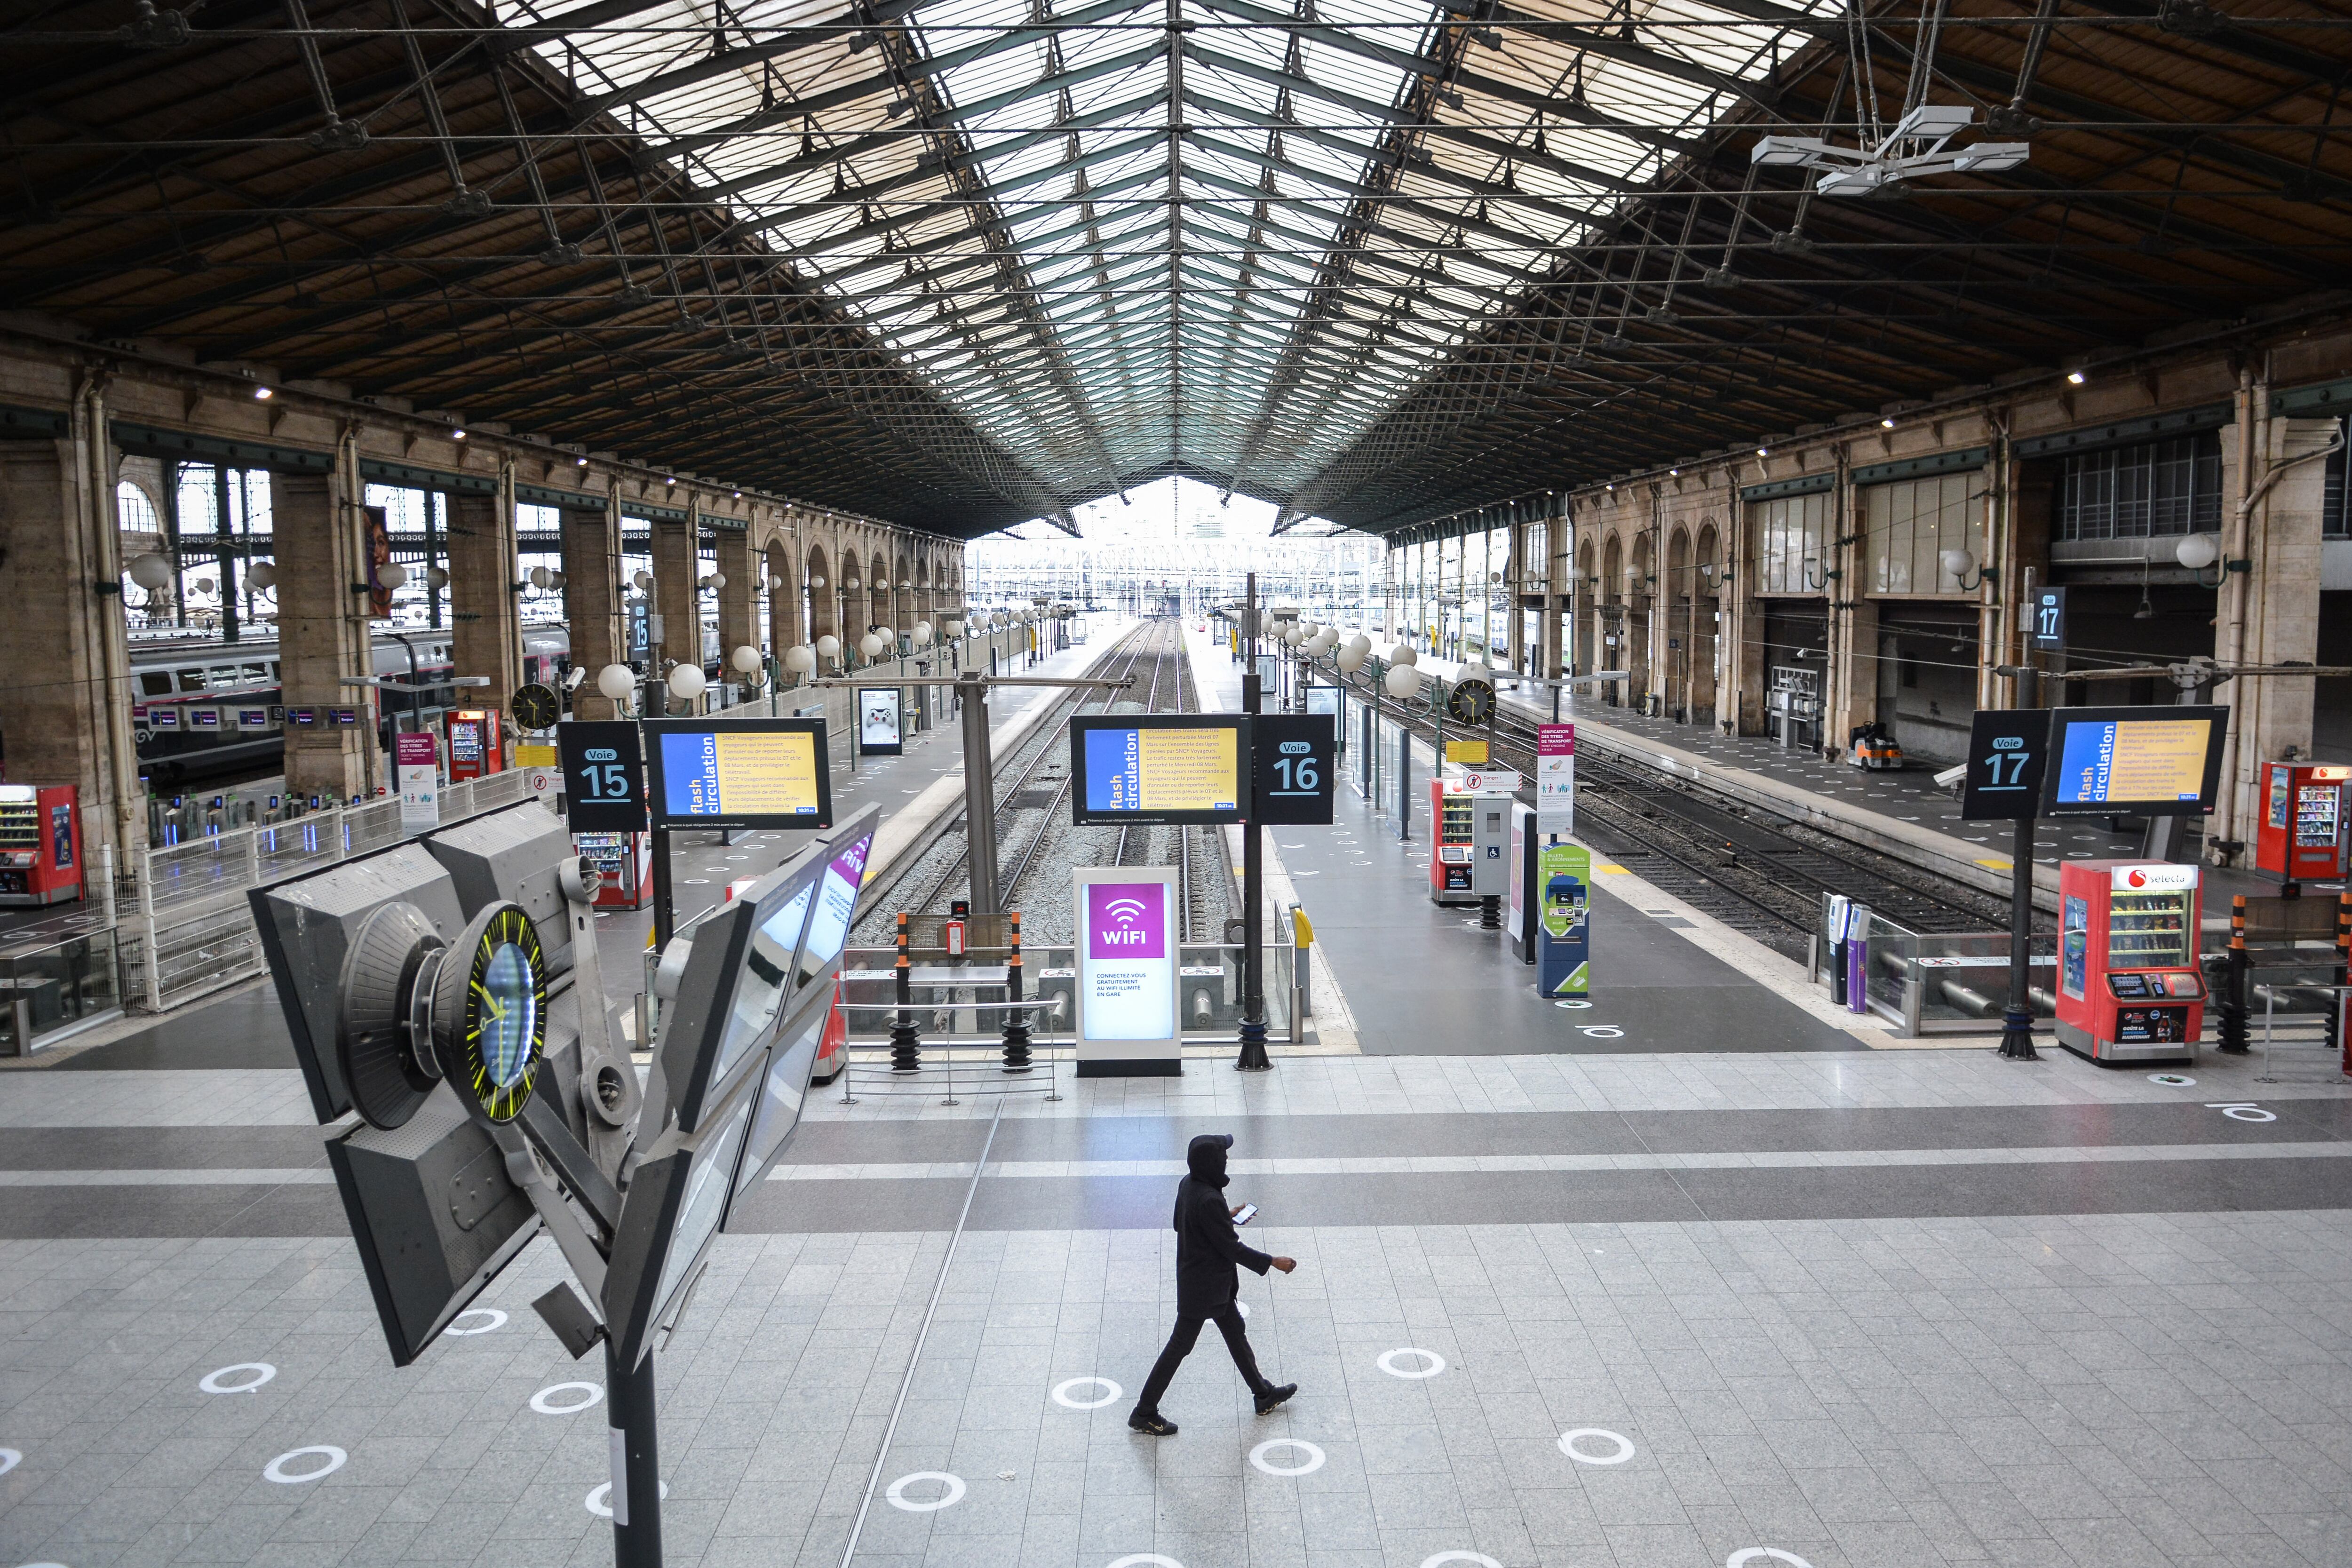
column 961, row 263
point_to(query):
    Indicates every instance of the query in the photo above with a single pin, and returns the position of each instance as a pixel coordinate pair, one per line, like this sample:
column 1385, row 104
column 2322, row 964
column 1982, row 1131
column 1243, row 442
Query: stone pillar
column 1743, row 624
column 64, row 687
column 592, row 602
column 2273, row 714
column 676, row 565
column 739, row 597
column 1851, row 699
column 320, row 542
column 484, row 609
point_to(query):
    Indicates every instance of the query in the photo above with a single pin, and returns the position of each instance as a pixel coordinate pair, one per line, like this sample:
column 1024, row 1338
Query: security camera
column 571, row 681
column 1950, row 777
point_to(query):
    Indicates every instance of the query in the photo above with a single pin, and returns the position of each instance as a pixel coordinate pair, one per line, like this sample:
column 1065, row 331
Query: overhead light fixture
column 261, row 393
column 456, row 435
column 1887, row 425
column 1884, row 168
column 1674, row 473
column 1763, row 451
column 2074, row 378
column 580, row 462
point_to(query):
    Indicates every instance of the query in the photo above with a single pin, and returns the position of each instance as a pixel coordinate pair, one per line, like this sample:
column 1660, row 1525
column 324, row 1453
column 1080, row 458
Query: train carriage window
column 257, row 675
column 226, row 678
column 273, row 670
column 154, row 683
column 191, row 680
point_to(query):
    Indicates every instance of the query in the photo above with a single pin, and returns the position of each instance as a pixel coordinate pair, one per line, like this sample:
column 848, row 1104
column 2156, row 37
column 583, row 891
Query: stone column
column 1743, row 623
column 739, row 596
column 63, row 651
column 484, row 609
column 592, row 602
column 2274, row 715
column 676, row 565
column 320, row 536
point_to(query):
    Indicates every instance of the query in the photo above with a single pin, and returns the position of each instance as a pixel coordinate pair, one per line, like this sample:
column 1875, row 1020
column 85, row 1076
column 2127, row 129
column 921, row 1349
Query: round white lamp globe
column 687, row 682
column 437, row 578
column 616, row 682
column 745, row 658
column 1958, row 562
column 800, row 660
column 869, row 645
column 541, row 578
column 150, row 571
column 2197, row 551
column 1402, row 680
column 1404, row 653
column 922, row 633
column 392, row 574
column 828, row 644
column 645, row 582
column 264, row 575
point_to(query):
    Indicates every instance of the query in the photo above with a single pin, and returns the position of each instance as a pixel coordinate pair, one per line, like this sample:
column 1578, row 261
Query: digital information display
column 1127, row 971
column 1188, row 768
column 2157, row 760
column 740, row 772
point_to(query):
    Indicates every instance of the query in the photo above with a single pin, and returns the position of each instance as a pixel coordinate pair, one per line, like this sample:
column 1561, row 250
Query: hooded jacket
column 1208, row 1248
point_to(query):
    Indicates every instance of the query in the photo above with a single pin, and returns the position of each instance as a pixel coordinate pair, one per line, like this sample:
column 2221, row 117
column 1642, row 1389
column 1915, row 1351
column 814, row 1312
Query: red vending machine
column 475, row 747
column 625, row 861
column 40, row 844
column 2128, row 987
column 1452, row 817
column 2301, row 835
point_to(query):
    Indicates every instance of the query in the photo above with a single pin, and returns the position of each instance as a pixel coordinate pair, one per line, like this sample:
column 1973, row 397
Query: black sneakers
column 1273, row 1397
column 1151, row 1424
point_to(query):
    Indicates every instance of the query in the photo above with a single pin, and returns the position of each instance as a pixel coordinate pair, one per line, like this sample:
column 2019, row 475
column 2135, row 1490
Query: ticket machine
column 625, row 861
column 1471, row 811
column 1564, row 921
column 476, row 748
column 40, row 844
column 2303, row 831
column 2128, row 987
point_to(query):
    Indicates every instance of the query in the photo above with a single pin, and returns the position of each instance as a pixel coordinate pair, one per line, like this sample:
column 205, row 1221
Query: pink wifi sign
column 1127, row 920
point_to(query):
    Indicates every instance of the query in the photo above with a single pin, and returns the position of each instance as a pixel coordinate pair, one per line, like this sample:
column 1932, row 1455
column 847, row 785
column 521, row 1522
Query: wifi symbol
column 1127, row 912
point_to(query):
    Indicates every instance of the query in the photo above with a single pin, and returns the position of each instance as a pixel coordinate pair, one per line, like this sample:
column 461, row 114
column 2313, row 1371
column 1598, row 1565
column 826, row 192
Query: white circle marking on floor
column 214, row 1381
column 1314, row 1456
column 1147, row 1560
column 600, row 1501
column 2170, row 1080
column 1386, row 1361
column 1062, row 1394
column 544, row 1400
column 276, row 1469
column 948, row 1499
column 9, row 1460
column 497, row 1319
column 1750, row 1553
column 1625, row 1444
column 1475, row 1560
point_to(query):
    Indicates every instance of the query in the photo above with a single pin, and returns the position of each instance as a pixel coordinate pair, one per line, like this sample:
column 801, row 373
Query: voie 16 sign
column 1126, row 1019
column 1293, row 761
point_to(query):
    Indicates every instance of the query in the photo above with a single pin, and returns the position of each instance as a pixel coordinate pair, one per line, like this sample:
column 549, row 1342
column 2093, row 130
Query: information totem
column 1564, row 921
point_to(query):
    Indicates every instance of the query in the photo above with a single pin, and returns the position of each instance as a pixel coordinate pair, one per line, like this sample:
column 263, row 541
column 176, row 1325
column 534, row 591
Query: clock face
column 1471, row 701
column 502, row 1027
column 535, row 706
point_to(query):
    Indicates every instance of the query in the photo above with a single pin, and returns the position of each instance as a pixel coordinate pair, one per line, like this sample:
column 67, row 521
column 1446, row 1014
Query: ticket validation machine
column 2303, row 829
column 2128, row 987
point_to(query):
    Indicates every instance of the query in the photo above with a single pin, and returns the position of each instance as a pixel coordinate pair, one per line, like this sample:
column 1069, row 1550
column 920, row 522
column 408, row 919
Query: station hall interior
column 705, row 704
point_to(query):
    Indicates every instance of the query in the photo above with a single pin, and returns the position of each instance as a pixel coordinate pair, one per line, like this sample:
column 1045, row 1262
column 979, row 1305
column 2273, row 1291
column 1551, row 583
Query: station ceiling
column 961, row 263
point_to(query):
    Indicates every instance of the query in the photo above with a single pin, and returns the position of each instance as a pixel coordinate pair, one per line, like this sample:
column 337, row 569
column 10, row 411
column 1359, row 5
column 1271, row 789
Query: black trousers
column 1228, row 1318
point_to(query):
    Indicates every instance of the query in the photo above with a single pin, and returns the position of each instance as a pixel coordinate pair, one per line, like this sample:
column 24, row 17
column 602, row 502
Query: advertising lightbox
column 1128, row 959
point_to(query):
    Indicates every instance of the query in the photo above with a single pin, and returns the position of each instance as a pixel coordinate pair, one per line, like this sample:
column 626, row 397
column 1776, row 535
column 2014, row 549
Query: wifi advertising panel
column 1128, row 963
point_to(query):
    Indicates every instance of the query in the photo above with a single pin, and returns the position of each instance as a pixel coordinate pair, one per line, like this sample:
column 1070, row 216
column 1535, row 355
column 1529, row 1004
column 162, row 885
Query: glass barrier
column 1210, row 996
column 52, row 989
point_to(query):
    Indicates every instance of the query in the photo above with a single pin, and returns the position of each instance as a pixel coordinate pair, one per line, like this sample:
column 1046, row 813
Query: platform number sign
column 1296, row 756
column 2049, row 627
column 2008, row 749
column 603, row 767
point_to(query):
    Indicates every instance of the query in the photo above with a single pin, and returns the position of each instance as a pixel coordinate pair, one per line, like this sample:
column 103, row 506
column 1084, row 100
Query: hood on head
column 1205, row 1157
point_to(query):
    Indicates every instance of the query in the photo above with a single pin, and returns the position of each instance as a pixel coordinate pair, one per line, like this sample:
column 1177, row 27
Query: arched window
column 134, row 510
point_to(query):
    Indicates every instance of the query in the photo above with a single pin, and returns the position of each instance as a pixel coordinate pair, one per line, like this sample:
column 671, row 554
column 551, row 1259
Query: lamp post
column 1253, row 1057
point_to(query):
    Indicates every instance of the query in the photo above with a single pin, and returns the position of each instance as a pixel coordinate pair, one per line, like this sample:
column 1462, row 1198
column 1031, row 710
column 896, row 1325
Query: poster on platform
column 418, row 760
column 1556, row 779
column 1128, row 958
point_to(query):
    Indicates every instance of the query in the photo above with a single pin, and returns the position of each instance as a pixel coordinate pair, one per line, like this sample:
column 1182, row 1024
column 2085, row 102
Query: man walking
column 1207, row 1248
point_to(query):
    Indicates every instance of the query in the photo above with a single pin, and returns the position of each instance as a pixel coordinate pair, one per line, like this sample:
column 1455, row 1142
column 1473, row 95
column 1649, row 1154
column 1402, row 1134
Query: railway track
column 1760, row 874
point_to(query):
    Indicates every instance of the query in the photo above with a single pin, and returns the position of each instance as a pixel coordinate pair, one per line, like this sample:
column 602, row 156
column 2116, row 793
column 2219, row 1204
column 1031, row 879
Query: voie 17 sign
column 603, row 766
column 1127, row 1017
column 1295, row 756
column 2007, row 748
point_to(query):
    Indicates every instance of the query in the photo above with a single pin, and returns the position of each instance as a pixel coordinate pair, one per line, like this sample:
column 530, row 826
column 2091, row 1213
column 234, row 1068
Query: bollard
column 906, row 1041
column 1016, row 1018
column 2337, row 1036
column 2232, row 1003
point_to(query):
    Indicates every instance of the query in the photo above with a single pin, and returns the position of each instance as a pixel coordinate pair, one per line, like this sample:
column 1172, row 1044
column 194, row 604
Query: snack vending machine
column 2130, row 989
column 626, row 862
column 475, row 746
column 1471, row 818
column 40, row 844
column 2303, row 829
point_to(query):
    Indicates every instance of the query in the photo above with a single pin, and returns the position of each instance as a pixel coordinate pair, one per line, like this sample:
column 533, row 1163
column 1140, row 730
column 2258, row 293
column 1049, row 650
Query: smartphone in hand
column 1247, row 1213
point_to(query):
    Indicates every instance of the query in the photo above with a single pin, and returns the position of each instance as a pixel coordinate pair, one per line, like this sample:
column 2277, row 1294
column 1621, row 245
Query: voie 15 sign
column 1126, row 1018
column 603, row 766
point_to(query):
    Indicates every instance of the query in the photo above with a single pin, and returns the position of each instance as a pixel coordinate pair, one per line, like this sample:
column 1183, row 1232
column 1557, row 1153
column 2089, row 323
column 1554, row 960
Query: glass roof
column 1219, row 238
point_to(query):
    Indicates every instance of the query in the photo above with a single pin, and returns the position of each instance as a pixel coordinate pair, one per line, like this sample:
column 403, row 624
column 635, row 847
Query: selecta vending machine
column 2128, row 987
column 40, row 844
column 2303, row 830
column 477, row 749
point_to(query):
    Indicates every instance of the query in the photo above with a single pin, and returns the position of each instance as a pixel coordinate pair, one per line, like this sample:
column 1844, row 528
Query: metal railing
column 183, row 927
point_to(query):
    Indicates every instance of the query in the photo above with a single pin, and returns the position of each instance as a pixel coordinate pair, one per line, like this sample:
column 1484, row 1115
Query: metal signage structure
column 1189, row 768
column 2046, row 626
column 2157, row 761
column 1129, row 962
column 603, row 766
column 2007, row 748
column 738, row 773
column 1295, row 771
